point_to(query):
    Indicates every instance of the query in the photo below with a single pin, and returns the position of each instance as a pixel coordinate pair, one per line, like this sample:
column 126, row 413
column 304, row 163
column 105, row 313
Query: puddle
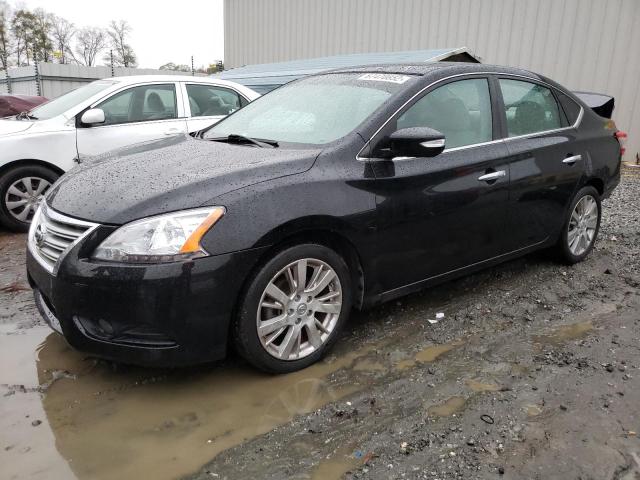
column 565, row 333
column 102, row 424
column 518, row 370
column 335, row 467
column 429, row 354
column 26, row 451
column 532, row 410
column 603, row 309
column 404, row 364
column 448, row 408
column 478, row 386
column 368, row 365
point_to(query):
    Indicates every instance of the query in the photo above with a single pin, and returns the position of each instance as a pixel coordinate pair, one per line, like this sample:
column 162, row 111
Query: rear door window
column 460, row 110
column 159, row 103
column 529, row 107
column 212, row 101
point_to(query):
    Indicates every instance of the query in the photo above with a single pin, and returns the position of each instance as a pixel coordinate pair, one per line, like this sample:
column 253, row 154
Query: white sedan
column 38, row 146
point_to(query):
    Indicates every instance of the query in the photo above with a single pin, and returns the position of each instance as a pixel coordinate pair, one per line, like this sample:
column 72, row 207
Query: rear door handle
column 172, row 131
column 572, row 159
column 488, row 177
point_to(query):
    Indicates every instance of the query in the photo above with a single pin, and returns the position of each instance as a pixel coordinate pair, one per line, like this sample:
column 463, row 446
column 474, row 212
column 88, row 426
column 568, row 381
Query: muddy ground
column 534, row 372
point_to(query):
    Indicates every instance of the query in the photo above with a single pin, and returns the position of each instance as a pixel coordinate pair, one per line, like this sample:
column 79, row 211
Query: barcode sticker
column 384, row 77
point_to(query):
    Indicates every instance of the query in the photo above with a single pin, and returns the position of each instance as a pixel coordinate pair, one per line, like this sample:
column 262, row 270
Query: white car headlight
column 163, row 238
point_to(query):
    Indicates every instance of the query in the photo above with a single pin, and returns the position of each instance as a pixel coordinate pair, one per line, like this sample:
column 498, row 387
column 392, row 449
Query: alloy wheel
column 582, row 225
column 299, row 309
column 23, row 197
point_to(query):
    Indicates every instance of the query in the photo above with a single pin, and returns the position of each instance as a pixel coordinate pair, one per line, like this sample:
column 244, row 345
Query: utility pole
column 113, row 73
column 193, row 70
column 4, row 57
column 37, row 73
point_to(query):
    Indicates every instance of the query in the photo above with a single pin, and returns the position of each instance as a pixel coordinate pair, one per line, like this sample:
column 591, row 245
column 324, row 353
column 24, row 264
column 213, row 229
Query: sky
column 163, row 31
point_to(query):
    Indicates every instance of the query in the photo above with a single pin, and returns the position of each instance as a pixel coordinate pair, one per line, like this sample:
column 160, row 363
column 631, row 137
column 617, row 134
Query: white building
column 591, row 45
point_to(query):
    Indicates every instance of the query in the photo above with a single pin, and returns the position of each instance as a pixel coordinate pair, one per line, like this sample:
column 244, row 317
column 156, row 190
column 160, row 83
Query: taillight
column 622, row 139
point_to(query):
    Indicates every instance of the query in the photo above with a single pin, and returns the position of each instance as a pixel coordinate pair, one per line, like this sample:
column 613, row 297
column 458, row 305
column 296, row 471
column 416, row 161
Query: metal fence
column 52, row 80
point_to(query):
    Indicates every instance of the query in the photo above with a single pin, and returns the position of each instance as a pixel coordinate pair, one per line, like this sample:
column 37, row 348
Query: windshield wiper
column 236, row 138
column 26, row 116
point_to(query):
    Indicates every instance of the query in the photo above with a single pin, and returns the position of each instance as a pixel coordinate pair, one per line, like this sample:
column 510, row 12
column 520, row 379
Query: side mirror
column 92, row 116
column 416, row 142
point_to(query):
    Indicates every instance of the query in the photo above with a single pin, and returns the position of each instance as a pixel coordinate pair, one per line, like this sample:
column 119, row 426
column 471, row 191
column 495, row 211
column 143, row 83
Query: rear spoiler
column 598, row 102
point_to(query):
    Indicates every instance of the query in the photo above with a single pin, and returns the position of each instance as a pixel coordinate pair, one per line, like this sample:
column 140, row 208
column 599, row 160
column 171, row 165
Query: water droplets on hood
column 168, row 175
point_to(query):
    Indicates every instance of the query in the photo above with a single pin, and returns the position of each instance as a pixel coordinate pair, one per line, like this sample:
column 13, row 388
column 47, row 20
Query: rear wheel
column 581, row 228
column 293, row 309
column 21, row 190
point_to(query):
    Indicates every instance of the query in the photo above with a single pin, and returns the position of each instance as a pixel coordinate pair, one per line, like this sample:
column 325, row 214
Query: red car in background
column 14, row 104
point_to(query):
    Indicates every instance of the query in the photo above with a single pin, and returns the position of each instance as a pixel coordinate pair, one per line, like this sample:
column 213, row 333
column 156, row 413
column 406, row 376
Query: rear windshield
column 69, row 100
column 316, row 110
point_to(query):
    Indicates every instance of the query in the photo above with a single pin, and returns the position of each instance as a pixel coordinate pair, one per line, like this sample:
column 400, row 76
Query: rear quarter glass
column 570, row 107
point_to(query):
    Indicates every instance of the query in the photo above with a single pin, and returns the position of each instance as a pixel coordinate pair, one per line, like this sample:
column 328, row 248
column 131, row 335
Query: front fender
column 267, row 213
column 54, row 148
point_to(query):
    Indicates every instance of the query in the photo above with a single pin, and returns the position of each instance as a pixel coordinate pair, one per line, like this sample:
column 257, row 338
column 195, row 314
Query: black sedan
column 337, row 191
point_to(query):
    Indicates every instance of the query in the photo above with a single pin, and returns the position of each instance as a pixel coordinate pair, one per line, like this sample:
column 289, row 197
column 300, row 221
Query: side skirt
column 459, row 272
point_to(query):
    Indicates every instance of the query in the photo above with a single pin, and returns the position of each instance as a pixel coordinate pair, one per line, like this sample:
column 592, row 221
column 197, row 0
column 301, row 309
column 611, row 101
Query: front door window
column 460, row 110
column 140, row 104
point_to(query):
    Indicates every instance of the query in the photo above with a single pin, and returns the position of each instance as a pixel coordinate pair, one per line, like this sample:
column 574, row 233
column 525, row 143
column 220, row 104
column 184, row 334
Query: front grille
column 52, row 235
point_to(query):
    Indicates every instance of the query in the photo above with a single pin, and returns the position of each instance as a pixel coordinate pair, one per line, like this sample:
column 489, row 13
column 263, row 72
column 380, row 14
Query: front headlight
column 163, row 238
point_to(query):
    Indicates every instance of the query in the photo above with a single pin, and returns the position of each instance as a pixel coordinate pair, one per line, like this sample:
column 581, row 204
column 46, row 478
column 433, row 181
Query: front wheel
column 581, row 227
column 21, row 190
column 293, row 309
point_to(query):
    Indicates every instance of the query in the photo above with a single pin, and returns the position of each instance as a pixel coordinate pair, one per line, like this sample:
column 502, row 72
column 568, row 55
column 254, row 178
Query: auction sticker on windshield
column 384, row 77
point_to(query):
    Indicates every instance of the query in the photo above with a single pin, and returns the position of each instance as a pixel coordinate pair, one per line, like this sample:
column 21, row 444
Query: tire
column 29, row 183
column 589, row 198
column 318, row 319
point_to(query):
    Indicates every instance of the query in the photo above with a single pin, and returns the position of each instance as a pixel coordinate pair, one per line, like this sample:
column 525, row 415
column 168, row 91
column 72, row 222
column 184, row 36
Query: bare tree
column 89, row 43
column 37, row 35
column 175, row 67
column 6, row 42
column 41, row 44
column 22, row 31
column 119, row 32
column 30, row 31
column 62, row 32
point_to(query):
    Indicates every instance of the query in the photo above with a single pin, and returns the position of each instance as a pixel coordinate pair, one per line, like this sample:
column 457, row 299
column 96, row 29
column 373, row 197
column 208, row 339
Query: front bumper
column 159, row 315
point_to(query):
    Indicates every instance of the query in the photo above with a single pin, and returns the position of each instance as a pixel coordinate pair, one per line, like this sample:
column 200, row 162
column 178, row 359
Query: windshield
column 69, row 100
column 316, row 110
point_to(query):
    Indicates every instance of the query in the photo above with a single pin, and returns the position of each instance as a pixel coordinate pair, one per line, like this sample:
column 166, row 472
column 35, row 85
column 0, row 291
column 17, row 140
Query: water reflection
column 142, row 423
column 27, row 444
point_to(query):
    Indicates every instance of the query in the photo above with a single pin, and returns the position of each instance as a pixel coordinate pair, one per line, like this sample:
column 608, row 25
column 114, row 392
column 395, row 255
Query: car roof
column 438, row 69
column 153, row 78
column 135, row 79
column 168, row 78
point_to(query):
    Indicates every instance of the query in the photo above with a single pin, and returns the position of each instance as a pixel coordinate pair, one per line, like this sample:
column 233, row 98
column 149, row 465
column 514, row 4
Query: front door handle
column 572, row 159
column 172, row 131
column 489, row 177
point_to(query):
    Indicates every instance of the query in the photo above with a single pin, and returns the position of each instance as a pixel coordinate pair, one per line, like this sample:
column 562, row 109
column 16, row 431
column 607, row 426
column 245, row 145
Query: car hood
column 9, row 126
column 166, row 176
